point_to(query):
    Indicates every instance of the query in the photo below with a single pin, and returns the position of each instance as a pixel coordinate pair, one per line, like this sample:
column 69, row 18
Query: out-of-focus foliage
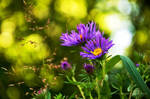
column 30, row 51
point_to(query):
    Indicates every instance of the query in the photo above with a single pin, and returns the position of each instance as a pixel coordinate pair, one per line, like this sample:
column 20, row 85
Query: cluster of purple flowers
column 95, row 44
column 88, row 67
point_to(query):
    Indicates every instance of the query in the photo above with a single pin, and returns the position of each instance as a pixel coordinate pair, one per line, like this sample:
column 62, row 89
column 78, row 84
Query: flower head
column 65, row 65
column 85, row 33
column 97, row 47
column 89, row 68
column 137, row 65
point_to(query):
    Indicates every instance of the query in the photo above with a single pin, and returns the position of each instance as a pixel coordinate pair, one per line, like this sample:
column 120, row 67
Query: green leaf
column 72, row 96
column 130, row 87
column 114, row 86
column 48, row 95
column 112, row 62
column 114, row 92
column 130, row 66
column 137, row 93
column 59, row 96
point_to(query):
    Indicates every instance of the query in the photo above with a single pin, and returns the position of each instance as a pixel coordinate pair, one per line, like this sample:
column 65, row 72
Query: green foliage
column 137, row 93
column 112, row 62
column 133, row 71
column 135, row 75
column 106, row 91
column 59, row 96
column 30, row 31
column 48, row 95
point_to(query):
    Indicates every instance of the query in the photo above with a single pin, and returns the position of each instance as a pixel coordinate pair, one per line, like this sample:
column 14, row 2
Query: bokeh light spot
column 73, row 8
column 141, row 37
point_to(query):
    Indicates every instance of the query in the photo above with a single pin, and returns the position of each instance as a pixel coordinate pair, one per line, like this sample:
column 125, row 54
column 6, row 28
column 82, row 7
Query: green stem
column 100, row 84
column 121, row 93
column 79, row 87
column 103, row 70
column 130, row 95
column 90, row 95
column 98, row 88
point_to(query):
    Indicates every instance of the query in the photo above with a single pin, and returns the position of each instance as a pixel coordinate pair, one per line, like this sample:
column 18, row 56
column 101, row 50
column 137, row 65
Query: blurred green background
column 30, row 44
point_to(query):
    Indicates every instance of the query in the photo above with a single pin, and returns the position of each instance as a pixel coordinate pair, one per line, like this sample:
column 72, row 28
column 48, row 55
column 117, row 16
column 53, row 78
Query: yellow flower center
column 96, row 51
column 80, row 36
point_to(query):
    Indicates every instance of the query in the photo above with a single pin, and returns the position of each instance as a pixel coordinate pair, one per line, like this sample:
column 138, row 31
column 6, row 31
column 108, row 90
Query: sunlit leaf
column 112, row 62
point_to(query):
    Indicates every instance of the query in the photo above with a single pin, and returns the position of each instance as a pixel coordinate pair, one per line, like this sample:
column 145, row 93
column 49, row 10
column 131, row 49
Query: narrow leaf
column 130, row 66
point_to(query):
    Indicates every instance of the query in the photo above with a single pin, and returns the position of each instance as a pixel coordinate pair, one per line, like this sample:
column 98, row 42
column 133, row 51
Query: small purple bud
column 89, row 68
column 137, row 65
column 65, row 65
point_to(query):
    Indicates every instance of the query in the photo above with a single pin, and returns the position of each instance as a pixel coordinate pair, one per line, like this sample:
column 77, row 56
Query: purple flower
column 137, row 65
column 65, row 65
column 89, row 68
column 85, row 33
column 97, row 47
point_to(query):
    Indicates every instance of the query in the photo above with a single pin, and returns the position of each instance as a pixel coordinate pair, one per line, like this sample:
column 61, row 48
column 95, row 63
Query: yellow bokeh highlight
column 73, row 8
column 19, row 19
column 109, row 21
column 30, row 50
column 41, row 9
column 6, row 37
column 141, row 37
column 5, row 3
column 8, row 28
column 43, row 2
column 53, row 30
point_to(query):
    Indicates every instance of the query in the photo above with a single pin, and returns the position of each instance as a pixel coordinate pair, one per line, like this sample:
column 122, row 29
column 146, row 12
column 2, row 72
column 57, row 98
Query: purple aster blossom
column 65, row 65
column 89, row 68
column 137, row 65
column 97, row 47
column 85, row 33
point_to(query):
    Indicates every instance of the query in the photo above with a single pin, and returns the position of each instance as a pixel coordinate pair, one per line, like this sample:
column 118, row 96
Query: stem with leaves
column 79, row 87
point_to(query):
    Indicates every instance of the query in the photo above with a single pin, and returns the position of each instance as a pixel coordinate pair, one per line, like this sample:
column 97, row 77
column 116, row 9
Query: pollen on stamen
column 97, row 51
column 80, row 36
